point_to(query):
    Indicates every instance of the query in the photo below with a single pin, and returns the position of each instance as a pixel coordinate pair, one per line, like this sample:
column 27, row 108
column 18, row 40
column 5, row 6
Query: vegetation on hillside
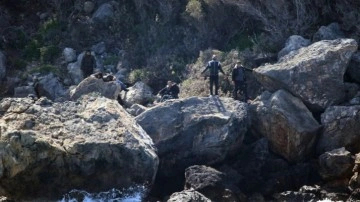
column 160, row 38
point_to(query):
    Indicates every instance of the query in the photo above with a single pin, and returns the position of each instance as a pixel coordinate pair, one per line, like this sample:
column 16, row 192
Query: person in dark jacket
column 88, row 64
column 239, row 80
column 214, row 67
column 171, row 91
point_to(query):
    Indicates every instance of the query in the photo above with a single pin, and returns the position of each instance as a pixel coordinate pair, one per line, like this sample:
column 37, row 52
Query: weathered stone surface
column 308, row 72
column 335, row 164
column 340, row 129
column 49, row 148
column 212, row 183
column 266, row 173
column 205, row 129
column 330, row 32
column 188, row 196
column 193, row 131
column 103, row 15
column 50, row 86
column 286, row 122
column 139, row 93
column 69, row 54
column 136, row 109
column 294, row 42
column 24, row 91
column 93, row 85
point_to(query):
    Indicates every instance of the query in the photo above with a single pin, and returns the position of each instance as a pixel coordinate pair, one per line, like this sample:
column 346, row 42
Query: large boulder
column 193, row 131
column 263, row 172
column 48, row 149
column 212, row 183
column 188, row 196
column 69, row 55
column 286, row 122
column 104, row 14
column 337, row 163
column 205, row 129
column 340, row 129
column 94, row 85
column 330, row 32
column 51, row 87
column 308, row 72
column 139, row 93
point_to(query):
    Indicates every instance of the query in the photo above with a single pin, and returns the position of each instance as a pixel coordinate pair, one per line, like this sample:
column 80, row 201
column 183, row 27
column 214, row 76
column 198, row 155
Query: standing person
column 239, row 81
column 214, row 67
column 88, row 64
column 170, row 91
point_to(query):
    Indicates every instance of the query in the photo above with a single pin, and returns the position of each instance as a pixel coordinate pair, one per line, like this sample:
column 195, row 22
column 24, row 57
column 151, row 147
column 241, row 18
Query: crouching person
column 171, row 91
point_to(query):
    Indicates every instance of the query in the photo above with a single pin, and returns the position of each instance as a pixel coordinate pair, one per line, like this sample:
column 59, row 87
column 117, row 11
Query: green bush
column 32, row 50
column 111, row 60
column 45, row 69
column 240, row 41
column 138, row 75
column 17, row 63
column 49, row 53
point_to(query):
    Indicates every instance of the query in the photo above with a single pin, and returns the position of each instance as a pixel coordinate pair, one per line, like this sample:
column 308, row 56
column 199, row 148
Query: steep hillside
column 156, row 39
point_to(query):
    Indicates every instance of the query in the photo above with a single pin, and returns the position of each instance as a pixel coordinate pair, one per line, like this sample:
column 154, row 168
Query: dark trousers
column 240, row 86
column 214, row 80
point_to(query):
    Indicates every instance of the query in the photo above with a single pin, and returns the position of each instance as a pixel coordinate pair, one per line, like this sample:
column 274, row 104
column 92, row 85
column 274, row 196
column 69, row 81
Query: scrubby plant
column 241, row 41
column 49, row 53
column 45, row 69
column 138, row 75
column 17, row 63
column 32, row 50
column 111, row 60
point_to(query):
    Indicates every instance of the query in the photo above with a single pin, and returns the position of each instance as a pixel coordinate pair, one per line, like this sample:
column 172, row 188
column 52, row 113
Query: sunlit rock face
column 93, row 144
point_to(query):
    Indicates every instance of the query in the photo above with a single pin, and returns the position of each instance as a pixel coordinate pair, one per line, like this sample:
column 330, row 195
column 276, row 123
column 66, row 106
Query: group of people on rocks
column 172, row 90
column 237, row 76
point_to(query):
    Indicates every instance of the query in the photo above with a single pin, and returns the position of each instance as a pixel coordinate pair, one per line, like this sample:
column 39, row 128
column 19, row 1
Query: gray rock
column 69, row 55
column 330, row 32
column 195, row 130
column 99, row 48
column 50, row 148
column 335, row 164
column 308, row 72
column 341, row 129
column 286, row 122
column 104, row 14
column 89, row 6
column 212, row 183
column 75, row 72
column 294, row 42
column 139, row 93
column 24, row 91
column 136, row 109
column 188, row 196
column 50, row 86
column 98, row 86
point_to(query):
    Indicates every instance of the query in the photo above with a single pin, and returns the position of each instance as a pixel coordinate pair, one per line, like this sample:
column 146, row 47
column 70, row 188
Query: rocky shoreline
column 297, row 141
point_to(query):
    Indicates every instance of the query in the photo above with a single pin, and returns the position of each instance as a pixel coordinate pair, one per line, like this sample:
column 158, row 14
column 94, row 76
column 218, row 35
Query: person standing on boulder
column 214, row 67
column 88, row 64
column 239, row 80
